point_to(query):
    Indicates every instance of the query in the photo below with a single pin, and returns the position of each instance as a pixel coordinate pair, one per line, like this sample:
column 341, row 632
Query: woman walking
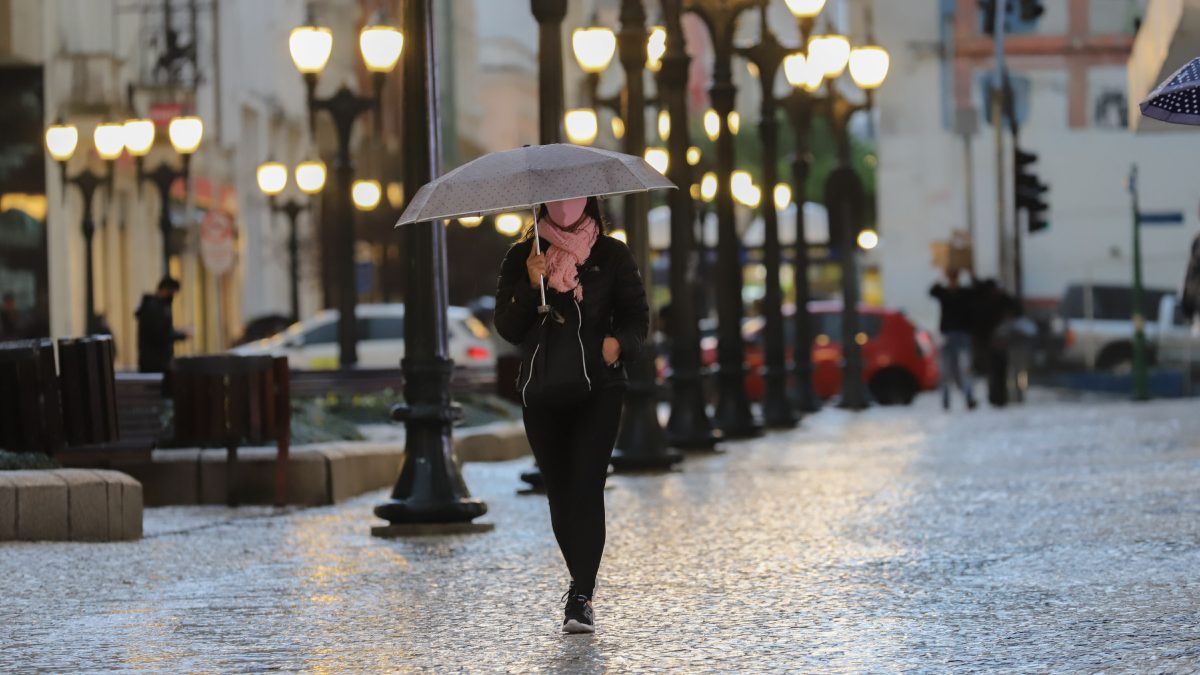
column 572, row 378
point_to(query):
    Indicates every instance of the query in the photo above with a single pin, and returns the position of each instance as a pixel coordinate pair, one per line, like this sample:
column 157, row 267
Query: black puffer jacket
column 614, row 303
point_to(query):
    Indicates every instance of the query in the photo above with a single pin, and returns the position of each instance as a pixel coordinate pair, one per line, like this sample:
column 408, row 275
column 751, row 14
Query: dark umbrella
column 1178, row 99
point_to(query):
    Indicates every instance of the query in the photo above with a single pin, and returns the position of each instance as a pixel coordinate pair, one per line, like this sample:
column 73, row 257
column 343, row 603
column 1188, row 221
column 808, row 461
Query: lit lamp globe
column 712, row 124
column 310, row 176
column 735, row 122
column 805, row 9
column 594, row 48
column 470, row 221
column 380, row 47
column 656, row 47
column 664, row 125
column 869, row 66
column 110, row 140
column 509, row 224
column 831, row 53
column 61, row 141
column 693, row 156
column 139, row 136
column 310, row 47
column 581, row 125
column 366, row 194
column 619, row 235
column 618, row 128
column 783, row 196
column 868, row 239
column 658, row 158
column 185, row 134
column 272, row 178
column 395, row 195
column 802, row 73
column 708, row 187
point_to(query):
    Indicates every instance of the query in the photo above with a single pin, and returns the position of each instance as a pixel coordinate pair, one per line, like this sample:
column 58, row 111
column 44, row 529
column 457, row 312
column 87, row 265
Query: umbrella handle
column 537, row 246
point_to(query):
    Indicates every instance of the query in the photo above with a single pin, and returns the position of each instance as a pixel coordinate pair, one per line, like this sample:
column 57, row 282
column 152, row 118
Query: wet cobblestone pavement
column 1058, row 537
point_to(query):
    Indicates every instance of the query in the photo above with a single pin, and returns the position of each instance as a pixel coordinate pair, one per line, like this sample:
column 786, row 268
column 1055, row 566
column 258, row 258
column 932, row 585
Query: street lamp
column 62, row 140
column 380, row 47
column 844, row 192
column 582, row 126
column 733, row 414
column 641, row 443
column 366, row 194
column 272, row 180
column 185, row 134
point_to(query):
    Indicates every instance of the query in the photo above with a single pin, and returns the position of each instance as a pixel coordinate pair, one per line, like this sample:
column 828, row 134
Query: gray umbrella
column 1178, row 99
column 523, row 178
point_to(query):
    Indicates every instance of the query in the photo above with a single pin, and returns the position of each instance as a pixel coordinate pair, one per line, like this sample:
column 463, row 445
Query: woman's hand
column 611, row 350
column 535, row 264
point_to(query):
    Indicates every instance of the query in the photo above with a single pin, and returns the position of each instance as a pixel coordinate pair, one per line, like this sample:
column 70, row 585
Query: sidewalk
column 1049, row 538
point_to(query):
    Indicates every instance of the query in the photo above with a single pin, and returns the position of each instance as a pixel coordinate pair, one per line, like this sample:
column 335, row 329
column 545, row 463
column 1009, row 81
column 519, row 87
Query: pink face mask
column 566, row 212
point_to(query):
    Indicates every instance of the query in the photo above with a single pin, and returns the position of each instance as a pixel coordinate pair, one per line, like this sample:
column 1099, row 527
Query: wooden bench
column 31, row 417
column 109, row 417
column 226, row 401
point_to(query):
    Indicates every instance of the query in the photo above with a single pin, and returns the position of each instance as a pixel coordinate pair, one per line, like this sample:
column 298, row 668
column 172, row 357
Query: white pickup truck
column 1097, row 328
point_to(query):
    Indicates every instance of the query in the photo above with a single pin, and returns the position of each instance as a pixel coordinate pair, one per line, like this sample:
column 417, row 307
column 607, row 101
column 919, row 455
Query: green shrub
column 15, row 461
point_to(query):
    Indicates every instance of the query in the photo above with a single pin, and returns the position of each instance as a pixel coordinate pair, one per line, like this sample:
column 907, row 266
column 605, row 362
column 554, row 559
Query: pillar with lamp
column 689, row 426
column 62, row 140
column 380, row 46
column 734, row 417
column 814, row 74
column 642, row 443
column 185, row 133
column 430, row 489
column 272, row 181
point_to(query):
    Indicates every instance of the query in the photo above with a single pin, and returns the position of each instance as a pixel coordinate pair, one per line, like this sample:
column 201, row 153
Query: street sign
column 1161, row 218
column 216, row 242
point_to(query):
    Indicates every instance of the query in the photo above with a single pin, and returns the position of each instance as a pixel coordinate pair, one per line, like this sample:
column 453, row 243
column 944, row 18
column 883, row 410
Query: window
column 1110, row 303
column 830, row 324
column 384, row 328
column 322, row 334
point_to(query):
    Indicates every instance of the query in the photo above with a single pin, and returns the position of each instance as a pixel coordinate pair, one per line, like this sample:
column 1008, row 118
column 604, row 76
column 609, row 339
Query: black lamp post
column 734, row 417
column 61, row 141
column 689, row 426
column 184, row 133
column 430, row 488
column 310, row 47
column 768, row 55
column 844, row 193
column 272, row 179
column 642, row 443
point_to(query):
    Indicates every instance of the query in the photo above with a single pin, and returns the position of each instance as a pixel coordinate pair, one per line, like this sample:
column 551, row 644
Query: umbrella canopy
column 1178, row 99
column 525, row 177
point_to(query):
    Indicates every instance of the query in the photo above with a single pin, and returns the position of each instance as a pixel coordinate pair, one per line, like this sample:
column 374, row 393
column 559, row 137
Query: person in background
column 156, row 328
column 956, row 323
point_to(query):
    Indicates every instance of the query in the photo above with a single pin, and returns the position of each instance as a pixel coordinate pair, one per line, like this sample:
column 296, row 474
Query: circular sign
column 216, row 242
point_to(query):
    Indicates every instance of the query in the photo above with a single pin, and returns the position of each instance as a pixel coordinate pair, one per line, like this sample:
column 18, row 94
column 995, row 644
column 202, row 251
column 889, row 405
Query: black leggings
column 573, row 447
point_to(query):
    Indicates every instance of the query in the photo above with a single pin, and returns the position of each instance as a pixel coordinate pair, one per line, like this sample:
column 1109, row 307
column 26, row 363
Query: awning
column 1168, row 39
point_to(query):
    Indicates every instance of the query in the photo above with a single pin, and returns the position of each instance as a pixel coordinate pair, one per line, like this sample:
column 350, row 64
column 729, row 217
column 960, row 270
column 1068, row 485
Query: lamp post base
column 428, row 529
column 412, row 513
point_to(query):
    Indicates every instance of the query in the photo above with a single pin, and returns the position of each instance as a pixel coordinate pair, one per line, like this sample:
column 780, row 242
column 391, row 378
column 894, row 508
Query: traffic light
column 1031, row 10
column 987, row 11
column 1029, row 191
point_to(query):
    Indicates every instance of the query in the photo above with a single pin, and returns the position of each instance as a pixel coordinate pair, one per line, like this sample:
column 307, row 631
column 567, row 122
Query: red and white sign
column 216, row 242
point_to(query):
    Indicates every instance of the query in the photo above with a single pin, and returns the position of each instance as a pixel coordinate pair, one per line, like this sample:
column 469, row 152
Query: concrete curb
column 69, row 505
column 318, row 474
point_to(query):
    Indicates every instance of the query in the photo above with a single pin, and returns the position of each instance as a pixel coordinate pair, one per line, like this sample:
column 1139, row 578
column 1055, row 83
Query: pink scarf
column 567, row 250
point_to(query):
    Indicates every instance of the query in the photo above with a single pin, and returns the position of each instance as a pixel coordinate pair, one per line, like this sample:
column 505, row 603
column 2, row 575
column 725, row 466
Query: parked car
column 899, row 359
column 312, row 344
column 1097, row 327
column 263, row 327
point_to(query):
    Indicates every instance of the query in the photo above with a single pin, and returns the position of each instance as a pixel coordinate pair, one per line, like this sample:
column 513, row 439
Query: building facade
column 938, row 159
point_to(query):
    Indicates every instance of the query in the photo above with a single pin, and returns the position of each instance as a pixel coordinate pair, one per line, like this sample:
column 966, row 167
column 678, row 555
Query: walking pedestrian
column 956, row 322
column 572, row 378
column 156, row 328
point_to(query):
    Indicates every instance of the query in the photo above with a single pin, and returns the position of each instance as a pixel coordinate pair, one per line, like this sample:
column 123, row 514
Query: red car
column 899, row 359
